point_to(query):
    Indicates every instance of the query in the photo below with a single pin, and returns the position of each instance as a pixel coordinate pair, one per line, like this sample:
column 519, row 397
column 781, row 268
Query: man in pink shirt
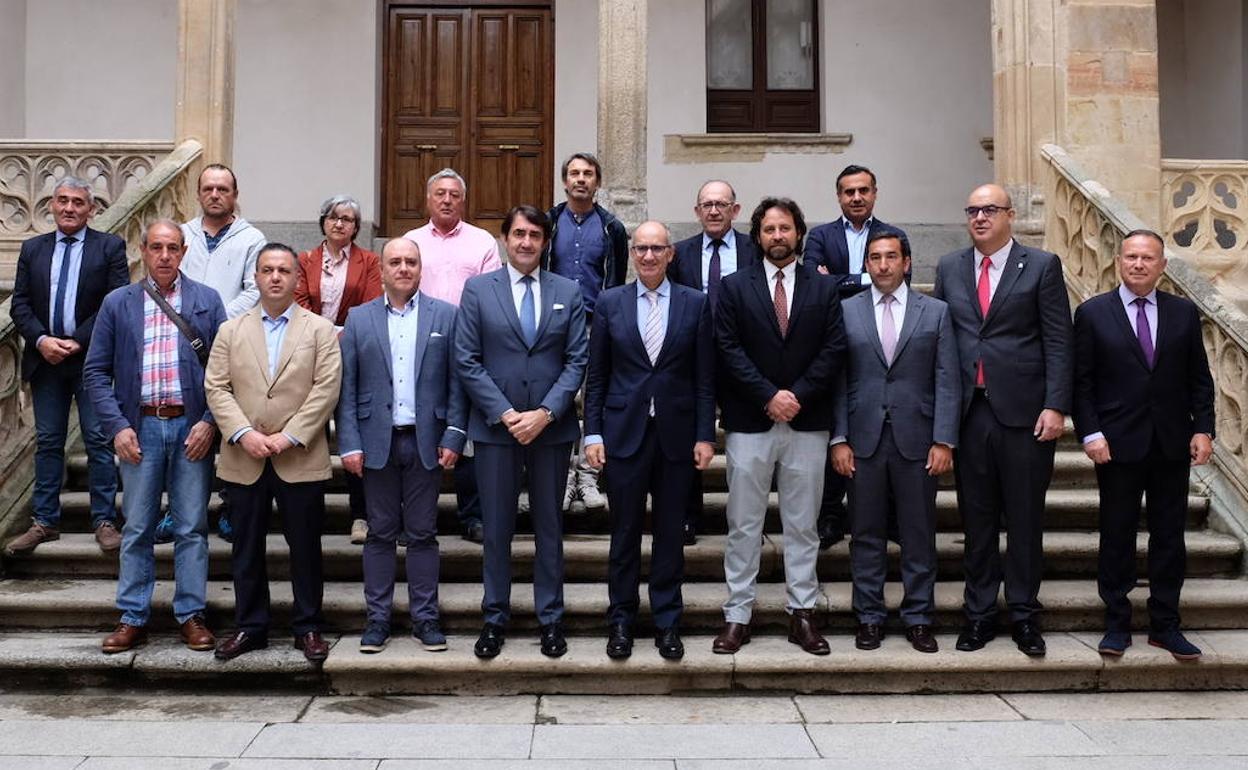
column 451, row 252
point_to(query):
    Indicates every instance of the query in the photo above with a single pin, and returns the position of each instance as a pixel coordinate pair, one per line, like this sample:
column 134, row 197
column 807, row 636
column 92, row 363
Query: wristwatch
column 550, row 416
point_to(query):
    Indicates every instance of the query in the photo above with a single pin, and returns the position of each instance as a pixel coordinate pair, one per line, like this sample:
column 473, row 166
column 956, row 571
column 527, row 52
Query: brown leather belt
column 163, row 412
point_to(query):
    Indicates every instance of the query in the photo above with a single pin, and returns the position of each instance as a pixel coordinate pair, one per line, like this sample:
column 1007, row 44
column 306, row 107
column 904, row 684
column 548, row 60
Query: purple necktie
column 1144, row 331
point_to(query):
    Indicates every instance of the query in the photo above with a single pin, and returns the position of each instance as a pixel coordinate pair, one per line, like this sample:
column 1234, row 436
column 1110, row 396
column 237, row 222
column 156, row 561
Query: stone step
column 767, row 663
column 1076, row 508
column 1067, row 554
column 1070, row 605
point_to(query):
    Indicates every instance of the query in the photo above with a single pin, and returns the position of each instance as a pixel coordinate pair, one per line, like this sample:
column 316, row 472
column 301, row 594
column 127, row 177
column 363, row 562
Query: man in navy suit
column 839, row 249
column 146, row 381
column 651, row 363
column 401, row 420
column 520, row 352
column 62, row 278
column 1144, row 411
column 781, row 345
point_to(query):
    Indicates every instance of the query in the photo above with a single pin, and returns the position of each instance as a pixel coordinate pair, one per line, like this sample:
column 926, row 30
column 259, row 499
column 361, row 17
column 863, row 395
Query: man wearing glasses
column 1011, row 318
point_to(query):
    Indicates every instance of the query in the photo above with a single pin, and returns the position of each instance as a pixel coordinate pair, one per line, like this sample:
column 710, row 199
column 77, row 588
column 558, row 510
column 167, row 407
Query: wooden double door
column 469, row 87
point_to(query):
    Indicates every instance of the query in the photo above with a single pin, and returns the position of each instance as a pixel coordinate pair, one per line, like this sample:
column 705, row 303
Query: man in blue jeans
column 146, row 381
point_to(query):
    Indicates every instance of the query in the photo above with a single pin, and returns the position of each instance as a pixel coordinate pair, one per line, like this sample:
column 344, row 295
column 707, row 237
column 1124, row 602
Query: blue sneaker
column 1114, row 643
column 164, row 529
column 225, row 529
column 376, row 637
column 430, row 635
column 1175, row 643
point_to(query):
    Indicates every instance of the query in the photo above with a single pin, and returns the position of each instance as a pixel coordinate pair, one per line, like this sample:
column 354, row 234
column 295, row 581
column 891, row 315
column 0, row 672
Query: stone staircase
column 55, row 604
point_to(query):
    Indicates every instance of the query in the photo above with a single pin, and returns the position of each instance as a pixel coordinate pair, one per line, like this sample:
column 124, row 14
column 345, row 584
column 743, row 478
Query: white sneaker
column 522, row 504
column 589, row 494
column 569, row 491
column 359, row 531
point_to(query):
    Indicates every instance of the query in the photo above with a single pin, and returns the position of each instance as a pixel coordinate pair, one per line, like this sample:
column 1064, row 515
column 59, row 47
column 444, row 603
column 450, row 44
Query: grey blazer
column 921, row 393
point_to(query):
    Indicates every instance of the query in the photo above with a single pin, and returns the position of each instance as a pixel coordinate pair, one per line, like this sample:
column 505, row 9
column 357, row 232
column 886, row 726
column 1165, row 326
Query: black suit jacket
column 686, row 266
column 1118, row 395
column 104, row 268
column 755, row 361
column 827, row 247
column 1025, row 340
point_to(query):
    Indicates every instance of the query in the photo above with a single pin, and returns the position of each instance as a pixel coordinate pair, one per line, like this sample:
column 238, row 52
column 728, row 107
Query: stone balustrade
column 1205, row 211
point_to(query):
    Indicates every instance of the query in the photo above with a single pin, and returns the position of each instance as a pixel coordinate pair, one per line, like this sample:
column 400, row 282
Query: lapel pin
column 1020, row 265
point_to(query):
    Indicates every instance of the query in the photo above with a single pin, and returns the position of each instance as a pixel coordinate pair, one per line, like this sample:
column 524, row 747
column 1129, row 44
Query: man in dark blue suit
column 651, row 363
column 62, row 278
column 145, row 377
column 1143, row 408
column 401, row 420
column 839, row 249
column 520, row 352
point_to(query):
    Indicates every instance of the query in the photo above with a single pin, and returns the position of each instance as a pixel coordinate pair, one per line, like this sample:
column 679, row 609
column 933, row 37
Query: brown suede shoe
column 108, row 537
column 802, row 632
column 731, row 638
column 124, row 637
column 314, row 647
column 30, row 539
column 196, row 636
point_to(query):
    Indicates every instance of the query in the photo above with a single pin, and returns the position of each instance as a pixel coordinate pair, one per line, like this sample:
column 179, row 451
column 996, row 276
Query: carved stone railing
column 165, row 190
column 1205, row 210
column 1085, row 225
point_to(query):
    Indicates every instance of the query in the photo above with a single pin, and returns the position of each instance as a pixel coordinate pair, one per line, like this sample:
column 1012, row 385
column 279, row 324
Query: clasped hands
column 55, row 350
column 783, row 406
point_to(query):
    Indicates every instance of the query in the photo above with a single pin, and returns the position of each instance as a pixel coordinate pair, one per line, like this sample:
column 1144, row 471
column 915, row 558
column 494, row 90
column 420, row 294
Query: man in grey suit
column 401, row 420
column 520, row 351
column 898, row 403
column 1011, row 317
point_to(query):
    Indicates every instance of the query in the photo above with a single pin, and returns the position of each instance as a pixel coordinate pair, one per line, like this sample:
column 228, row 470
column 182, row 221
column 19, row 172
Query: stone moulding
column 164, row 191
column 1205, row 205
column 748, row 148
column 1085, row 224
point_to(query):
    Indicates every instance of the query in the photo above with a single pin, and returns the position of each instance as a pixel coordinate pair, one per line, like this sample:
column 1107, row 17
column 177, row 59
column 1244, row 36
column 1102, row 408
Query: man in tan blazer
column 272, row 384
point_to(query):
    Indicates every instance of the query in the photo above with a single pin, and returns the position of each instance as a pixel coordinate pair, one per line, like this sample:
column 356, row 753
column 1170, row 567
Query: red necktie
column 781, row 301
column 985, row 299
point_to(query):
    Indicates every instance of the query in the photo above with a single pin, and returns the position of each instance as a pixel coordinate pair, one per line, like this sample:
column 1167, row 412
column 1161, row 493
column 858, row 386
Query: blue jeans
column 164, row 467
column 52, row 390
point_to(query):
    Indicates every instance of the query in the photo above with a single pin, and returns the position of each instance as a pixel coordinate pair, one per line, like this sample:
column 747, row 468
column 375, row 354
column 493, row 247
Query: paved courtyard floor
column 95, row 730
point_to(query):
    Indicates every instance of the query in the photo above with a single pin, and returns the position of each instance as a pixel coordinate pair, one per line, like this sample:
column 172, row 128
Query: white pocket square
column 557, row 306
column 434, row 334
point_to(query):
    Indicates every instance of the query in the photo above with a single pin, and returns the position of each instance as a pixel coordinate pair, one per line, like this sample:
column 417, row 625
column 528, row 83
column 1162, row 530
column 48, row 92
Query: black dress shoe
column 976, row 634
column 1027, row 637
column 619, row 642
column 830, row 533
column 921, row 638
column 691, row 535
column 669, row 644
column 490, row 642
column 238, row 643
column 869, row 636
column 553, row 643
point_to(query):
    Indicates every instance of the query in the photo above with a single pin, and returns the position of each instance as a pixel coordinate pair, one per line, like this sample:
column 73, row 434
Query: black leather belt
column 405, row 429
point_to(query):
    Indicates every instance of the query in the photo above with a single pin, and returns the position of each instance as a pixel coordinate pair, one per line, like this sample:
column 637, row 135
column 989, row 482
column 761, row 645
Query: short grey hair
column 333, row 202
column 167, row 223
column 447, row 173
column 75, row 183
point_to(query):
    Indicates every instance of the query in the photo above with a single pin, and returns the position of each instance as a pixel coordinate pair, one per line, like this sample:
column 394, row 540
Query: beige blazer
column 298, row 400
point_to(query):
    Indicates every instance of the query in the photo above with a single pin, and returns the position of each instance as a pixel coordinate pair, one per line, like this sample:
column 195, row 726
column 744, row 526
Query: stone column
column 622, row 107
column 205, row 91
column 1082, row 74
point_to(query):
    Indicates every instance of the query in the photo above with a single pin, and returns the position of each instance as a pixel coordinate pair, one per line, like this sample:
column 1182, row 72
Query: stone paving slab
column 165, row 763
column 524, row 764
column 1130, row 705
column 127, row 738
column 670, row 741
column 835, row 709
column 968, row 739
column 405, row 709
column 381, row 741
column 153, row 707
column 666, row 710
column 976, row 763
column 41, row 762
column 1181, row 737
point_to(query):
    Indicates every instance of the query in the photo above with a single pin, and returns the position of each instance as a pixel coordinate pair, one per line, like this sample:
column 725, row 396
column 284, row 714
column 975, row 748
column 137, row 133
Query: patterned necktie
column 528, row 312
column 62, row 285
column 653, row 336
column 781, row 300
column 888, row 329
column 985, row 301
column 714, row 272
column 1144, row 331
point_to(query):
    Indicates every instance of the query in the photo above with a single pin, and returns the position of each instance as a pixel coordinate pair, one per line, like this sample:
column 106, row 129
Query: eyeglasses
column 641, row 249
column 709, row 206
column 343, row 220
column 989, row 211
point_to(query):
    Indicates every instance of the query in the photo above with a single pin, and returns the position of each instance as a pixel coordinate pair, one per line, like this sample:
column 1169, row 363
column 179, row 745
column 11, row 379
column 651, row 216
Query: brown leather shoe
column 124, row 637
column 196, row 635
column 108, row 537
column 30, row 539
column 921, row 638
column 869, row 636
column 314, row 647
column 802, row 632
column 731, row 638
column 238, row 643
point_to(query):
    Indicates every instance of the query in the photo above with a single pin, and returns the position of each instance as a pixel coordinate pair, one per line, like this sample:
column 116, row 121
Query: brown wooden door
column 469, row 88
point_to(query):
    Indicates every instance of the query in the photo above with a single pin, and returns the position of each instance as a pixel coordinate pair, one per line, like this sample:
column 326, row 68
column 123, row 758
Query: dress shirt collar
column 515, row 275
column 663, row 289
column 332, row 258
column 729, row 238
column 454, row 231
column 901, row 294
column 998, row 257
column 288, row 314
column 79, row 236
column 790, row 270
column 173, row 288
column 866, row 225
column 1128, row 297
column 409, row 307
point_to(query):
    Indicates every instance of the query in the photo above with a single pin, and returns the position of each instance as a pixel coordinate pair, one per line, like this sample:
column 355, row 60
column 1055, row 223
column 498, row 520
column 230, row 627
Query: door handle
column 509, row 147
column 426, row 147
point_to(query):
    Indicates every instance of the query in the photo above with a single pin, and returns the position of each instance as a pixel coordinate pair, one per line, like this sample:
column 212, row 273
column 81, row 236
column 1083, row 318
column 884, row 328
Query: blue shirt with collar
column 402, row 324
column 61, row 251
column 579, row 252
column 727, row 257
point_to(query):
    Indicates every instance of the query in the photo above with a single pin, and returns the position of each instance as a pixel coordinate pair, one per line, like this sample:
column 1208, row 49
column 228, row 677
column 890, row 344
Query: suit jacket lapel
column 628, row 313
column 800, row 290
column 765, row 299
column 352, row 290
column 548, row 303
column 253, row 327
column 136, row 307
column 424, row 327
column 914, row 312
column 966, row 271
column 1015, row 263
column 295, row 329
column 866, row 317
column 1165, row 330
column 676, row 305
column 502, row 290
column 381, row 332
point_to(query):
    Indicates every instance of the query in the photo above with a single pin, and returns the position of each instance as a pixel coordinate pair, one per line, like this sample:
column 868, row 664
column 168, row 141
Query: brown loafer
column 196, row 636
column 107, row 536
column 731, row 638
column 314, row 647
column 30, row 539
column 921, row 638
column 238, row 643
column 869, row 636
column 802, row 633
column 124, row 637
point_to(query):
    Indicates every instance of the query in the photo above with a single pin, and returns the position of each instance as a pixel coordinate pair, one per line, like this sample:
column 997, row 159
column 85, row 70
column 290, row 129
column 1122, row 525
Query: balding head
column 990, row 217
column 652, row 252
column 400, row 270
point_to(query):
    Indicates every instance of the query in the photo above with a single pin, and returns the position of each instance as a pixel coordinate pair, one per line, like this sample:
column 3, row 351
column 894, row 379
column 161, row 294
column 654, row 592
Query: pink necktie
column 888, row 329
column 985, row 300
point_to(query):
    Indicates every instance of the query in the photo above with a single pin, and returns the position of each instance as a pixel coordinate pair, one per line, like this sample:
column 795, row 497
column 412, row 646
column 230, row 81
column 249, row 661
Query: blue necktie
column 58, row 309
column 528, row 312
